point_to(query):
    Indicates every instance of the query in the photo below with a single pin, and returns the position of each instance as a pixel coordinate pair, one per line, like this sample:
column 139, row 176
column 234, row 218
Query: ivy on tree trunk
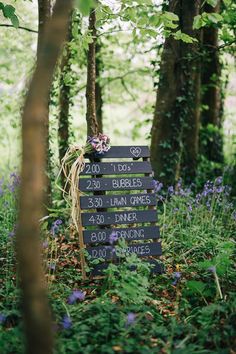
column 92, row 124
column 211, row 117
column 174, row 134
column 98, row 88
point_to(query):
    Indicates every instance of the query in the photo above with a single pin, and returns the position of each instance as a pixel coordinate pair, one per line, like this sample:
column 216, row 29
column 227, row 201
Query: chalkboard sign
column 128, row 187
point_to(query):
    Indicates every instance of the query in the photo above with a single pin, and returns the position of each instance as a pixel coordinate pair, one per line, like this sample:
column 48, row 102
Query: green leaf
column 84, row 6
column 214, row 17
column 184, row 37
column 198, row 22
column 15, row 21
column 171, row 16
column 8, row 11
column 213, row 3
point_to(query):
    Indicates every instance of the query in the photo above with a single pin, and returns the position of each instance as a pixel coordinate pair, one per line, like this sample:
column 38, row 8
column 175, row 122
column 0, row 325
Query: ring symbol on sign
column 135, row 151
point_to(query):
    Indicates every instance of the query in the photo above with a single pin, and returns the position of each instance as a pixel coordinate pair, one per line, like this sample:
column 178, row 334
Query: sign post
column 118, row 197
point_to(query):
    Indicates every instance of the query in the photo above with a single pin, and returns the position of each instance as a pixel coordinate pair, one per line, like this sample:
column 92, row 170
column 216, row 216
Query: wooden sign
column 119, row 217
column 117, row 168
column 115, row 184
column 112, row 252
column 118, row 200
column 124, row 197
column 133, row 152
column 129, row 234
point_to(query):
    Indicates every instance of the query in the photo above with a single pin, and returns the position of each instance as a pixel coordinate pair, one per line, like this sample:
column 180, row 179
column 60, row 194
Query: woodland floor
column 180, row 311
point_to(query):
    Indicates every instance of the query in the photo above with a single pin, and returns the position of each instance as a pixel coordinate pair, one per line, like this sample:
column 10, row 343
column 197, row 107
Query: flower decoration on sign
column 72, row 165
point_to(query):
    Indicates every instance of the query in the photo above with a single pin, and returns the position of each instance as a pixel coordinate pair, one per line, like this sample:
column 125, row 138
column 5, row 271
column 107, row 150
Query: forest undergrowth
column 190, row 308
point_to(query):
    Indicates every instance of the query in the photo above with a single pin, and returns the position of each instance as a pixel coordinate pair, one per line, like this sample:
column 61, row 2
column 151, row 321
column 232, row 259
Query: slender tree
column 64, row 98
column 98, row 88
column 174, row 134
column 44, row 14
column 35, row 304
column 211, row 117
column 92, row 124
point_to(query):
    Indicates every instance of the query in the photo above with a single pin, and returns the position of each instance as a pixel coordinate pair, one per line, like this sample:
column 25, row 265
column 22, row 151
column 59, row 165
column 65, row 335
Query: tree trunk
column 98, row 89
column 44, row 14
column 211, row 141
column 37, row 316
column 92, row 124
column 64, row 101
column 174, row 134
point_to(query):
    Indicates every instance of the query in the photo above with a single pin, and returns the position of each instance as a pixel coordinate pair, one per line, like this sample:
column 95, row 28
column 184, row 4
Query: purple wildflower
column 113, row 237
column 1, row 187
column 157, row 186
column 2, row 318
column 234, row 215
column 76, row 295
column 212, row 269
column 15, row 182
column 66, row 322
column 130, row 319
column 171, row 190
column 45, row 244
column 176, row 276
column 218, row 180
column 12, row 233
column 55, row 227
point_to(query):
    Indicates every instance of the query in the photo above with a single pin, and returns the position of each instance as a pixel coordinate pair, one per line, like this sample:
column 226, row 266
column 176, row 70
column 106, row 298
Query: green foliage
column 9, row 13
column 206, row 19
column 85, row 6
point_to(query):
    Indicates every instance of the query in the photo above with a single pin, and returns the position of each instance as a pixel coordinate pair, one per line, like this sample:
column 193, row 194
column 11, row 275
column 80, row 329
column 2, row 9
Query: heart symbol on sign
column 135, row 151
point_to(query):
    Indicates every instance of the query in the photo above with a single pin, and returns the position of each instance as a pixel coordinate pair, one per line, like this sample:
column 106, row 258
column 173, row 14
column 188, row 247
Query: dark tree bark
column 64, row 100
column 92, row 124
column 35, row 304
column 98, row 88
column 211, row 141
column 44, row 14
column 174, row 134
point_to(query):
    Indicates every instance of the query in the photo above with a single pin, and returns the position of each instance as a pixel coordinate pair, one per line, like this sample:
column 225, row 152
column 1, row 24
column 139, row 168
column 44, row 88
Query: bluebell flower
column 212, row 269
column 157, row 186
column 55, row 227
column 130, row 319
column 218, row 180
column 171, row 190
column 1, row 187
column 66, row 322
column 76, row 295
column 2, row 318
column 15, row 182
column 234, row 215
column 176, row 276
column 113, row 237
column 45, row 244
